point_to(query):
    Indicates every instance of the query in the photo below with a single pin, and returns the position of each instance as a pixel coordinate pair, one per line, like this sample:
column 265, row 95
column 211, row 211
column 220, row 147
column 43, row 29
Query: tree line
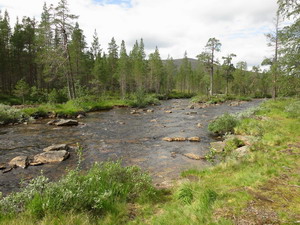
column 52, row 57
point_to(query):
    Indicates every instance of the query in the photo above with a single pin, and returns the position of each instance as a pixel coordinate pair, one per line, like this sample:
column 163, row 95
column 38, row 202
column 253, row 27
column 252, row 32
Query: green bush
column 9, row 114
column 102, row 189
column 140, row 99
column 293, row 109
column 223, row 124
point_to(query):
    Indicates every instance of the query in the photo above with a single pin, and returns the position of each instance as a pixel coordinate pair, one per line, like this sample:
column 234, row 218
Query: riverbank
column 73, row 108
column 260, row 187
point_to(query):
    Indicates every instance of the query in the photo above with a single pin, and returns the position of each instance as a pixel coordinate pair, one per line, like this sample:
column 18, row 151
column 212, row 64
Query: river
column 136, row 139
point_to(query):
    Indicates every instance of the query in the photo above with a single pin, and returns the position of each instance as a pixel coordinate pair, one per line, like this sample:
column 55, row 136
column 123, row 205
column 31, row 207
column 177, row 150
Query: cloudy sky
column 175, row 26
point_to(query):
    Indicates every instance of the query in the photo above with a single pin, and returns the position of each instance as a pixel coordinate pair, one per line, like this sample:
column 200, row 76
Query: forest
column 49, row 61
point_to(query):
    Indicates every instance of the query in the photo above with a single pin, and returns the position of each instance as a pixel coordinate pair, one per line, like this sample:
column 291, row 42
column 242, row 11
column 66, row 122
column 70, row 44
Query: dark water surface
column 117, row 134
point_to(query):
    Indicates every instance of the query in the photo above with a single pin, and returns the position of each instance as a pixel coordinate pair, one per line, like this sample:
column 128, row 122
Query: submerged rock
column 51, row 157
column 193, row 156
column 56, row 147
column 168, row 111
column 150, row 110
column 19, row 161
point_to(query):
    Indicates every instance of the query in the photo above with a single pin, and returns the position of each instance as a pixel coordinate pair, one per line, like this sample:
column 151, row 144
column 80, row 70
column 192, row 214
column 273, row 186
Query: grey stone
column 218, row 146
column 51, row 157
column 19, row 161
column 56, row 147
column 67, row 123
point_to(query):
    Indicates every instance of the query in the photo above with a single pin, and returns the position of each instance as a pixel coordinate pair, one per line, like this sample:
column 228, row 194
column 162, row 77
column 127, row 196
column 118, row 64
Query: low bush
column 101, row 190
column 293, row 109
column 223, row 124
column 140, row 99
column 10, row 114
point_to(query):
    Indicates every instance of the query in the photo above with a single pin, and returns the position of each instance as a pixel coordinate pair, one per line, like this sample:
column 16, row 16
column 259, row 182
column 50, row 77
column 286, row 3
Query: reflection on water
column 117, row 134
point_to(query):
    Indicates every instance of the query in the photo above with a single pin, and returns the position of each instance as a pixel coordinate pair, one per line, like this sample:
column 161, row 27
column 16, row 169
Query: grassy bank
column 78, row 106
column 260, row 188
column 218, row 98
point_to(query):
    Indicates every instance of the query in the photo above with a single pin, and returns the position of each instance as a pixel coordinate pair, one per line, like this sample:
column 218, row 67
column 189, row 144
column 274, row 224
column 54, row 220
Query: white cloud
column 174, row 26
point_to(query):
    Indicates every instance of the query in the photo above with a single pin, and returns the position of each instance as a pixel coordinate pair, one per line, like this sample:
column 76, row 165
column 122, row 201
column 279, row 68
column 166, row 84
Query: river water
column 136, row 139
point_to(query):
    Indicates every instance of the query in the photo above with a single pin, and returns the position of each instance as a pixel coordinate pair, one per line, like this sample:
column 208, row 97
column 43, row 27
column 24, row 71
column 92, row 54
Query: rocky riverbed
column 163, row 140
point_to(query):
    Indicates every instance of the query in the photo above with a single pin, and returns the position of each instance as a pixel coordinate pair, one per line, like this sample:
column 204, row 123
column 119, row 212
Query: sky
column 174, row 26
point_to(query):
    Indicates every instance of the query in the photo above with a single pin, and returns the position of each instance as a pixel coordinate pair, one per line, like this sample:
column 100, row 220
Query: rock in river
column 51, row 157
column 194, row 139
column 56, row 147
column 19, row 161
column 66, row 123
column 193, row 156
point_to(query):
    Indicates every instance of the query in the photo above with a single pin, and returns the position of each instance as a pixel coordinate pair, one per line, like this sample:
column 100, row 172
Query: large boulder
column 56, row 147
column 242, row 151
column 66, row 123
column 51, row 156
column 19, row 161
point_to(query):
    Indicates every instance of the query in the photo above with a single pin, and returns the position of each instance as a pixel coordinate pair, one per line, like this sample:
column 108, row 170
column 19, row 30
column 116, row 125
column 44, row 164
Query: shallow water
column 117, row 134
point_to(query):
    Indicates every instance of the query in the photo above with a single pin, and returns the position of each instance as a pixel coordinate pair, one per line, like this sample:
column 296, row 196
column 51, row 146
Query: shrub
column 140, row 99
column 293, row 109
column 9, row 114
column 102, row 189
column 223, row 124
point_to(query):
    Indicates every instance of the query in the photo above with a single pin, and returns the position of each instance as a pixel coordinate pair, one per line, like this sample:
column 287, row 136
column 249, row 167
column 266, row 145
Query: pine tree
column 63, row 22
column 5, row 56
column 123, row 69
column 228, row 68
column 213, row 45
column 155, row 72
column 112, row 61
column 171, row 72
